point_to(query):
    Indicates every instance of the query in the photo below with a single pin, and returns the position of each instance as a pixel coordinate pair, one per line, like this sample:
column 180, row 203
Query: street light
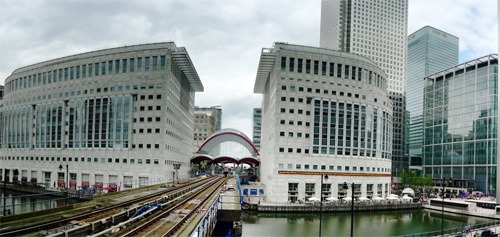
column 344, row 189
column 321, row 201
column 443, row 183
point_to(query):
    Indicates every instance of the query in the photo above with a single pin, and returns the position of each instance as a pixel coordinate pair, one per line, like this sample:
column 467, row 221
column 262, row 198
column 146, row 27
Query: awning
column 60, row 181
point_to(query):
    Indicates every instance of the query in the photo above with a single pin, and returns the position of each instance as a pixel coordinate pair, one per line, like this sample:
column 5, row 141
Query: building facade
column 430, row 50
column 257, row 125
column 204, row 125
column 323, row 112
column 215, row 111
column 1, row 91
column 460, row 124
column 118, row 117
column 378, row 31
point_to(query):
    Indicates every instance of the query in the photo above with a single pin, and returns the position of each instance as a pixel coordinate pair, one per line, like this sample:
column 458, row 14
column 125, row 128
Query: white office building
column 323, row 112
column 117, row 118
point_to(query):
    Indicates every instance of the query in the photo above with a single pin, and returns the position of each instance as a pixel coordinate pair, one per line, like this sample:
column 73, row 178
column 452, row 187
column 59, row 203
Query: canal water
column 339, row 223
column 40, row 202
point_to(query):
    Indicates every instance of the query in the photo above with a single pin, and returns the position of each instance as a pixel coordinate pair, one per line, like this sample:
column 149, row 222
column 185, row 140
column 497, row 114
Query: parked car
column 485, row 232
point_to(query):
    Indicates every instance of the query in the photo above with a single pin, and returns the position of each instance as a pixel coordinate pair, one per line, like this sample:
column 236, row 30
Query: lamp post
column 67, row 180
column 451, row 185
column 345, row 187
column 321, row 201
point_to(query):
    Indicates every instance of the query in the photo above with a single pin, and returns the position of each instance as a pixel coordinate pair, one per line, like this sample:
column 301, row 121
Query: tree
column 414, row 180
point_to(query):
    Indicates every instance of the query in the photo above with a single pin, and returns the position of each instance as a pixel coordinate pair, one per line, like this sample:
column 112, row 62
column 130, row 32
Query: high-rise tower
column 429, row 51
column 378, row 31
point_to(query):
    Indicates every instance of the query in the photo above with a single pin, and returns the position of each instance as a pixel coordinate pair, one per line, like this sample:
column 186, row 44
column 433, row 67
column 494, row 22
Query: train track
column 172, row 192
column 169, row 221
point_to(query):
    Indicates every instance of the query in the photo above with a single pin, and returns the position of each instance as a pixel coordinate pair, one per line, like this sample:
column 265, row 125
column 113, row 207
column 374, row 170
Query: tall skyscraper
column 376, row 29
column 257, row 125
column 429, row 51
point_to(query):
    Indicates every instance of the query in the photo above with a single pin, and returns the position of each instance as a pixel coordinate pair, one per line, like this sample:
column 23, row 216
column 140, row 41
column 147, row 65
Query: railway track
column 171, row 220
column 108, row 212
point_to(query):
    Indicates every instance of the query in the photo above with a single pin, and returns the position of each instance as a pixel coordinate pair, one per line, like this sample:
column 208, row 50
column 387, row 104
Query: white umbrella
column 377, row 199
column 391, row 198
column 392, row 195
column 332, row 199
column 406, row 197
column 364, row 199
column 314, row 199
column 347, row 199
column 408, row 191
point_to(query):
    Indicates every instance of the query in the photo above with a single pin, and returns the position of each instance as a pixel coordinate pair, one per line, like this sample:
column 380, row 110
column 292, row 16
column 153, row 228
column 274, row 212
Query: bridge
column 228, row 150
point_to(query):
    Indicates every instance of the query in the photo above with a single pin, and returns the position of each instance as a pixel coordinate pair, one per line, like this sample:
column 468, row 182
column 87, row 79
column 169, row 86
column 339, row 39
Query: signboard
column 333, row 173
column 177, row 166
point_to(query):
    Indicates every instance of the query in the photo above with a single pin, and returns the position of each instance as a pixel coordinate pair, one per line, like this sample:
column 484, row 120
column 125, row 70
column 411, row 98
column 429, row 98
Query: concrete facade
column 323, row 112
column 119, row 117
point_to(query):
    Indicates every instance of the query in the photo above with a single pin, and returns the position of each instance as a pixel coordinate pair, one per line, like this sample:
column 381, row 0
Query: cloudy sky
column 223, row 37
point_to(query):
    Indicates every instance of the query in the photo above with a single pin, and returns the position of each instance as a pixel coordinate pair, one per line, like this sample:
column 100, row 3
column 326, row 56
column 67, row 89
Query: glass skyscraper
column 429, row 50
column 460, row 124
column 378, row 31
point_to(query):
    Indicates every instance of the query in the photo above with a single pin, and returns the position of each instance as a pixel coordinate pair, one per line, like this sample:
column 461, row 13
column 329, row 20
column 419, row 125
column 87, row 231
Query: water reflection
column 41, row 202
column 339, row 224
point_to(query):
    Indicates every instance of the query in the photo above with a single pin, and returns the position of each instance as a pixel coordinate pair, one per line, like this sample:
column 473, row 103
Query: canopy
column 377, row 198
column 406, row 197
column 348, row 199
column 364, row 199
column 391, row 198
column 332, row 199
column 393, row 195
column 408, row 191
column 314, row 199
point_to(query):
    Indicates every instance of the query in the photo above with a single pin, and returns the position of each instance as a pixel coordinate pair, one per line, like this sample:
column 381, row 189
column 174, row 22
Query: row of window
column 333, row 168
column 331, row 69
column 82, row 71
column 83, row 159
column 89, row 91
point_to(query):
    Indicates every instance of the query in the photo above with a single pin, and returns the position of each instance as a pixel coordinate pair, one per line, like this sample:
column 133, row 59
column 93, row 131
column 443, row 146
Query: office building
column 378, row 31
column 204, row 125
column 257, row 125
column 323, row 111
column 118, row 118
column 215, row 111
column 430, row 50
column 460, row 124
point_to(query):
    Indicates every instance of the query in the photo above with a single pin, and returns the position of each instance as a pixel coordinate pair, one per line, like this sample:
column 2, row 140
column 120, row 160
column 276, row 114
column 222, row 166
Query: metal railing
column 454, row 230
column 207, row 222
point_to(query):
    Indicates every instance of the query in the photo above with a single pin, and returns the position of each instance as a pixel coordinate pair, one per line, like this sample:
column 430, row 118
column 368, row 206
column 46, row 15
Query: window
column 299, row 150
column 281, row 149
column 339, row 167
column 282, row 121
column 298, row 166
column 282, row 134
column 148, row 161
